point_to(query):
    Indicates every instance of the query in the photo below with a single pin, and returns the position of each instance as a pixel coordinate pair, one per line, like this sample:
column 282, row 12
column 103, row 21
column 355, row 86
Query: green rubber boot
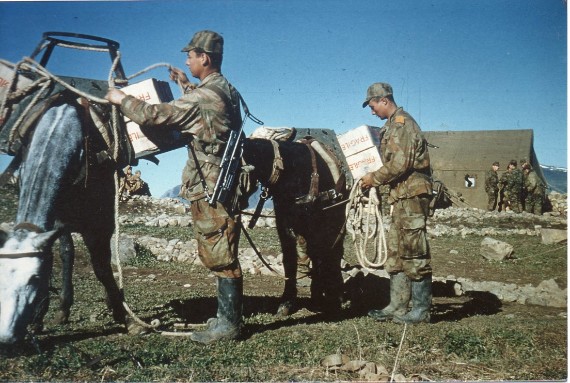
column 421, row 303
column 400, row 291
column 228, row 321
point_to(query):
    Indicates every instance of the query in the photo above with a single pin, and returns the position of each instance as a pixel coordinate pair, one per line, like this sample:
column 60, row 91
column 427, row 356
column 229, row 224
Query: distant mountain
column 556, row 177
column 173, row 193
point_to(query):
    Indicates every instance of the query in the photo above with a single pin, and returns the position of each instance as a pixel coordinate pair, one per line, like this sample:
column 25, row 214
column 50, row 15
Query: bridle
column 21, row 255
column 29, row 227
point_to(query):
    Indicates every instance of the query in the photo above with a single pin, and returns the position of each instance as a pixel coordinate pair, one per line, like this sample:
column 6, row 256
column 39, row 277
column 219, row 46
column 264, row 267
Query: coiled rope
column 362, row 212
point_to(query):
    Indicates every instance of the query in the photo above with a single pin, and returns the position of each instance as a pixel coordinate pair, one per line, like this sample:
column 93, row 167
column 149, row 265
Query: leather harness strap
column 314, row 188
column 277, row 164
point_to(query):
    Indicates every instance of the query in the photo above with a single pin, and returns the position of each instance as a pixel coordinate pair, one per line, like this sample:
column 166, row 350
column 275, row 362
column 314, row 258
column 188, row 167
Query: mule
column 306, row 223
column 63, row 189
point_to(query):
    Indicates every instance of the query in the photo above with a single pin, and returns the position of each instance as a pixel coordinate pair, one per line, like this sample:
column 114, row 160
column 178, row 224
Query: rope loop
column 364, row 223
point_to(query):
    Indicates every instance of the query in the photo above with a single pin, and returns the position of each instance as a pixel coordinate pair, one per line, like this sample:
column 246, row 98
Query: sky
column 454, row 65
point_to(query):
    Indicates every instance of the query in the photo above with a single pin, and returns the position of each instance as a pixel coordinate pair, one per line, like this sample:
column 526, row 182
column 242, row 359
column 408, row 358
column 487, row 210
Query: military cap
column 513, row 162
column 208, row 41
column 378, row 89
column 495, row 163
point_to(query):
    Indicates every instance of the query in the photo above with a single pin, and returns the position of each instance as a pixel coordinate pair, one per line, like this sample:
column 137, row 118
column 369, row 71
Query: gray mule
column 400, row 291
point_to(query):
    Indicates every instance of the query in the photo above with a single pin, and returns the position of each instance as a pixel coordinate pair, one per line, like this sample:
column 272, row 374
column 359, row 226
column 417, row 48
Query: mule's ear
column 45, row 240
column 3, row 237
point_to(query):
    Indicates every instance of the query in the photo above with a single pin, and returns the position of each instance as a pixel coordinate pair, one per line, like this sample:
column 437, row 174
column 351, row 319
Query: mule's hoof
column 285, row 309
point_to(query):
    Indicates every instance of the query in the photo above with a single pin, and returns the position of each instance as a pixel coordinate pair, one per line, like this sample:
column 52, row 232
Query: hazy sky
column 454, row 65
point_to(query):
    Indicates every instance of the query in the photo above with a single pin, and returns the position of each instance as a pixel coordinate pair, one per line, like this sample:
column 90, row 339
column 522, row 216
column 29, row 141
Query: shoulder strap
column 216, row 89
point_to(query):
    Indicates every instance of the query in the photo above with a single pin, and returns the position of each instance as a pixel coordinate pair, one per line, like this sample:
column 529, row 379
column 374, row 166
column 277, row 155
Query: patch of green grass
column 182, row 233
column 144, row 258
column 467, row 344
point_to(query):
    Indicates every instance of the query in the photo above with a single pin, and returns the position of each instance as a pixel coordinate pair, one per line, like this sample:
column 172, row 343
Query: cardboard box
column 6, row 76
column 358, row 139
column 154, row 92
column 364, row 162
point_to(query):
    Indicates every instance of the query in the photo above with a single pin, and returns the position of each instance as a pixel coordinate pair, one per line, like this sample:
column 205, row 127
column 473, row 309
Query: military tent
column 460, row 159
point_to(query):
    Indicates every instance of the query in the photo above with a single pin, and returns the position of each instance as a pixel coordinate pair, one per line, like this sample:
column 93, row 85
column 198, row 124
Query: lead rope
column 360, row 211
column 115, row 113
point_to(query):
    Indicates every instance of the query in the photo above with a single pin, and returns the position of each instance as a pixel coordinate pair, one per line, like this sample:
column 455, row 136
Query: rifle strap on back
column 221, row 94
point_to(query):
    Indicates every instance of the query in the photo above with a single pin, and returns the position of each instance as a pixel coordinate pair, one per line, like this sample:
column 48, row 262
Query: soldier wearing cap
column 204, row 115
column 512, row 184
column 535, row 190
column 492, row 186
column 406, row 170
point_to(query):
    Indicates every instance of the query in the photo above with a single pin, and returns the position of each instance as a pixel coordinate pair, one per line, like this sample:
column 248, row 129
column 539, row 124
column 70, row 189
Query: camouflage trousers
column 513, row 201
column 491, row 200
column 533, row 204
column 408, row 248
column 218, row 236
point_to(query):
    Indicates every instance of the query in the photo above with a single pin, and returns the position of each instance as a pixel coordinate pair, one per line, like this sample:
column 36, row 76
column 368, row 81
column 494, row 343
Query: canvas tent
column 460, row 159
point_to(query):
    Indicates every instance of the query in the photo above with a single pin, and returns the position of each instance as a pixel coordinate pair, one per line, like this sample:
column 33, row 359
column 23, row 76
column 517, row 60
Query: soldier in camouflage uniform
column 535, row 190
column 406, row 170
column 492, row 186
column 512, row 182
column 204, row 115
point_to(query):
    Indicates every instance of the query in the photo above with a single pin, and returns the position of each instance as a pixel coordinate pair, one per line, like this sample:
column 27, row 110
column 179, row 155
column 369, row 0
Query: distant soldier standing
column 205, row 115
column 523, row 189
column 512, row 182
column 406, row 170
column 535, row 190
column 492, row 186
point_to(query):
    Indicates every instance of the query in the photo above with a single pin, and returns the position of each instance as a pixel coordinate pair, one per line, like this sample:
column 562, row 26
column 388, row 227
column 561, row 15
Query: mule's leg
column 67, row 256
column 326, row 255
column 99, row 247
column 289, row 247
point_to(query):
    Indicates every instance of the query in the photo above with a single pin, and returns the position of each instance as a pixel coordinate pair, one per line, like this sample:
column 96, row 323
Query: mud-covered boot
column 400, row 290
column 228, row 321
column 421, row 303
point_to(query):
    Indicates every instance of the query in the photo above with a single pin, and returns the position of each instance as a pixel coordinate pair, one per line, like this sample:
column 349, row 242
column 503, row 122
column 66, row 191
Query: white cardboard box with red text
column 358, row 139
column 364, row 162
column 154, row 92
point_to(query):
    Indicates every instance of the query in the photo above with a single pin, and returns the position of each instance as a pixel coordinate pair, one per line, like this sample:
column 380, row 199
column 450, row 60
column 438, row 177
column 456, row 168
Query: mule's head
column 25, row 268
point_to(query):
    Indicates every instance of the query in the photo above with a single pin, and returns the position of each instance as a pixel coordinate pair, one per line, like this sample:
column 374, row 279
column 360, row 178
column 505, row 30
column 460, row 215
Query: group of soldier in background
column 516, row 190
column 132, row 184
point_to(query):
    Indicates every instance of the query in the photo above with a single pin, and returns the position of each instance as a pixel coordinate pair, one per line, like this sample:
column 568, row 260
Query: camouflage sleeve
column 399, row 154
column 178, row 114
column 531, row 182
column 504, row 178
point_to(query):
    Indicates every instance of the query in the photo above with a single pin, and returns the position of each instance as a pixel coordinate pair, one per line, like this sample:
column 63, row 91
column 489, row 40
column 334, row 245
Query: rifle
column 232, row 154
column 228, row 167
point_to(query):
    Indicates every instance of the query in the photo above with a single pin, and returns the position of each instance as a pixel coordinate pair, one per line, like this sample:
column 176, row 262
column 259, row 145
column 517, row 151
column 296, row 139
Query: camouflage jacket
column 533, row 184
column 512, row 181
column 405, row 158
column 491, row 181
column 203, row 118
